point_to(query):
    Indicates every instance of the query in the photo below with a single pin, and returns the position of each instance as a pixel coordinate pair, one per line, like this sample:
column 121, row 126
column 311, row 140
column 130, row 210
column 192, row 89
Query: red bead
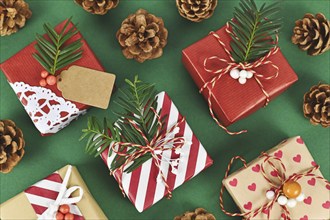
column 43, row 82
column 59, row 216
column 51, row 80
column 64, row 209
column 44, row 74
column 69, row 216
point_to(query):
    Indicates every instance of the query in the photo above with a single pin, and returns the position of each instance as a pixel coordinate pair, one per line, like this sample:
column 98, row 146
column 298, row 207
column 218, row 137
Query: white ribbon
column 63, row 197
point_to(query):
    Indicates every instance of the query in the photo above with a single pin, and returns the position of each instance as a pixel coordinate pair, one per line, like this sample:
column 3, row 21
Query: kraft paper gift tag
column 86, row 86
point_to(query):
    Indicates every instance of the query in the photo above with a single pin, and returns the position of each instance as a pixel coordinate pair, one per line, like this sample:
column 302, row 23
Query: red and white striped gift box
column 44, row 193
column 141, row 185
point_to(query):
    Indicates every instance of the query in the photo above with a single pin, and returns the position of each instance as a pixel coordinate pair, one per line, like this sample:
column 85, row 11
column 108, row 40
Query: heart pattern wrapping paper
column 248, row 187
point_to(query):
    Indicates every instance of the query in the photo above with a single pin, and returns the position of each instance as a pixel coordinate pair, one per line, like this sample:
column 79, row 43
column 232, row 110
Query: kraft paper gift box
column 230, row 100
column 248, row 187
column 34, row 200
column 141, row 185
column 48, row 110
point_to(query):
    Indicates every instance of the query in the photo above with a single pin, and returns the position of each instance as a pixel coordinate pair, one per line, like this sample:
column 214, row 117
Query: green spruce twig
column 53, row 54
column 137, row 103
column 253, row 30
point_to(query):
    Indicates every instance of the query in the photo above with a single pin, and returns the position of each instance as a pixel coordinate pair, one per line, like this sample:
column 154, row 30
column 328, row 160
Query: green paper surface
column 281, row 119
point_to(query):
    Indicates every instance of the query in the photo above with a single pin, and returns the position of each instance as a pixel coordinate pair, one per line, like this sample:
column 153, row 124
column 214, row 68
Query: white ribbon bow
column 63, row 197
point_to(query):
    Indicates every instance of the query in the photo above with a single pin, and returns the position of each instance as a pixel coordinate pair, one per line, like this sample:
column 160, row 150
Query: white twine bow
column 63, row 197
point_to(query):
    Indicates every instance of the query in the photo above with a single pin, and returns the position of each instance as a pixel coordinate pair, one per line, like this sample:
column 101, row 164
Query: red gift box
column 230, row 100
column 49, row 111
column 143, row 186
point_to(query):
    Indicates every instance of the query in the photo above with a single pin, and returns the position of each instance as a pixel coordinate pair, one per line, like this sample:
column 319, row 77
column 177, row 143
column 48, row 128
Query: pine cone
column 312, row 33
column 13, row 15
column 198, row 214
column 142, row 36
column 99, row 7
column 11, row 145
column 317, row 105
column 196, row 10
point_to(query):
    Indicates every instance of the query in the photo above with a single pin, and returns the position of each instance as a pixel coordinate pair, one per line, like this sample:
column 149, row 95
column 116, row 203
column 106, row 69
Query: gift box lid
column 141, row 185
column 232, row 101
column 23, row 74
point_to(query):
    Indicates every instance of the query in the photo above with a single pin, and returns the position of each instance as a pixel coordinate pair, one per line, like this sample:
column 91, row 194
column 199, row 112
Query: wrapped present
column 209, row 63
column 47, row 108
column 42, row 200
column 171, row 164
column 284, row 183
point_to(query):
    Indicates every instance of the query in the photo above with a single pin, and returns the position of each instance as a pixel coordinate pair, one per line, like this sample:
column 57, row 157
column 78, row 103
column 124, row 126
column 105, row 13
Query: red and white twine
column 159, row 143
column 231, row 64
column 275, row 186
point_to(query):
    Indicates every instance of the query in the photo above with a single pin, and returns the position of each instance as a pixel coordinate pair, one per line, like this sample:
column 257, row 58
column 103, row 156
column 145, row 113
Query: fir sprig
column 253, row 30
column 53, row 54
column 137, row 103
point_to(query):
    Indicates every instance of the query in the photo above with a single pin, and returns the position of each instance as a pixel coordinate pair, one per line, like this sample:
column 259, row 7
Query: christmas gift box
column 283, row 183
column 158, row 176
column 47, row 108
column 210, row 63
column 43, row 199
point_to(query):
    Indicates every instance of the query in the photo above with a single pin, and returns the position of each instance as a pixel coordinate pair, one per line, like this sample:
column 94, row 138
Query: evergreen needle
column 137, row 103
column 53, row 54
column 252, row 29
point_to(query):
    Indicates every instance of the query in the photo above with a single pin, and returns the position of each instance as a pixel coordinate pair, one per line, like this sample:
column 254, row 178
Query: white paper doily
column 48, row 112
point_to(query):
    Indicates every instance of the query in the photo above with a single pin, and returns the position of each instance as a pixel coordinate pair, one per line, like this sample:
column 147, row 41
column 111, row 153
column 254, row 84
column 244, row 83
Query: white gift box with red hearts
column 248, row 187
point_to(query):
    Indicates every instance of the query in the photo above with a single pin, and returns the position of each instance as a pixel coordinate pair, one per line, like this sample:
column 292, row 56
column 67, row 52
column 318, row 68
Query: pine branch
column 253, row 30
column 137, row 103
column 52, row 54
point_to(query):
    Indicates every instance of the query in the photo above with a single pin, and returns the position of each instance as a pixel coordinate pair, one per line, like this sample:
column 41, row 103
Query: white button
column 242, row 80
column 270, row 194
column 234, row 73
column 282, row 200
column 291, row 203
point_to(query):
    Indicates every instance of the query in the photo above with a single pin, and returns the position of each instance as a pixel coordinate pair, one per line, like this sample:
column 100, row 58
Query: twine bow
column 63, row 197
column 161, row 142
column 231, row 64
column 276, row 186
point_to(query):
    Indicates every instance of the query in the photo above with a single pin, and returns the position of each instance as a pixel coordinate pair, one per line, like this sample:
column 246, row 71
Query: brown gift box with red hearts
column 248, row 186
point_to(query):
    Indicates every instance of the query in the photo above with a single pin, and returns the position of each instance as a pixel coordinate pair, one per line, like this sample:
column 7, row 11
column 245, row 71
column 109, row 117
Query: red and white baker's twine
column 233, row 65
column 276, row 187
column 155, row 147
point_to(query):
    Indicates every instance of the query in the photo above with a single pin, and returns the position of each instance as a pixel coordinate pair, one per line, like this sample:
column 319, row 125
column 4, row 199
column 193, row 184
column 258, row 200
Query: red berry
column 51, row 80
column 64, row 209
column 44, row 74
column 43, row 82
column 69, row 216
column 59, row 216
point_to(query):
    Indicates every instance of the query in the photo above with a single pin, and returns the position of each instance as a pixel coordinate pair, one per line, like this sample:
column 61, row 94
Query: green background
column 283, row 117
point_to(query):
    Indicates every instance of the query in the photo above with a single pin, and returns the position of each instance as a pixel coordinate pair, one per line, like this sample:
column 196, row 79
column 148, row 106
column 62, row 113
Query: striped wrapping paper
column 141, row 185
column 45, row 192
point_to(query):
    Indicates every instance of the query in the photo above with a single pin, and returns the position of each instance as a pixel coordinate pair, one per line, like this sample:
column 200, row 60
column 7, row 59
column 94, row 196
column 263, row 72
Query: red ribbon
column 155, row 147
column 231, row 64
column 276, row 187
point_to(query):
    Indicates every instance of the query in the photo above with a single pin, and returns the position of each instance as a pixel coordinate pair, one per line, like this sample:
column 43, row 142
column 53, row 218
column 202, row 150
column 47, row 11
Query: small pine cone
column 312, row 33
column 142, row 36
column 198, row 214
column 11, row 145
column 317, row 105
column 196, row 10
column 13, row 15
column 98, row 7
